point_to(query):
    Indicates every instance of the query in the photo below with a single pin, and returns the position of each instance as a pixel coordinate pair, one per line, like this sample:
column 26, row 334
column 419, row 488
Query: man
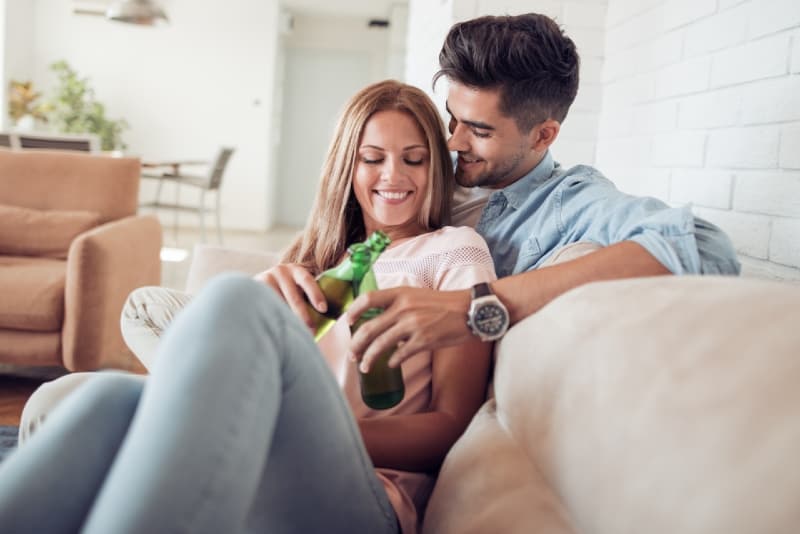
column 512, row 81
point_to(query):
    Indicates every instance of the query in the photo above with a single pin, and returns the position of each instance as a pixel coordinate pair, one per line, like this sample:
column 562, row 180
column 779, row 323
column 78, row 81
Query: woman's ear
column 544, row 134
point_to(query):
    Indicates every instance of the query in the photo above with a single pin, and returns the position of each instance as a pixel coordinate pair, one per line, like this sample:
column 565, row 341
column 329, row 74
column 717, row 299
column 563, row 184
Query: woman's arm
column 419, row 442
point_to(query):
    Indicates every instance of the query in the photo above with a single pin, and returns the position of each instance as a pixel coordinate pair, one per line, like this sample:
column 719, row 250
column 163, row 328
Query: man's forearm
column 525, row 293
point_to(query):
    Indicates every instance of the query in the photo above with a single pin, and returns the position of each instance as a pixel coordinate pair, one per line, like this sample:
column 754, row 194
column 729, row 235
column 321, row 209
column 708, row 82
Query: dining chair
column 208, row 183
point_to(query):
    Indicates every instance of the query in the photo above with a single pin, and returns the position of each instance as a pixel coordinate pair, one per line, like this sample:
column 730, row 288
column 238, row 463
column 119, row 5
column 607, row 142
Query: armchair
column 71, row 249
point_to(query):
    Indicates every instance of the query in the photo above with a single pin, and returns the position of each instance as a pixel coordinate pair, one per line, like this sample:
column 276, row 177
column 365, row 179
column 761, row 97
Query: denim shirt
column 551, row 207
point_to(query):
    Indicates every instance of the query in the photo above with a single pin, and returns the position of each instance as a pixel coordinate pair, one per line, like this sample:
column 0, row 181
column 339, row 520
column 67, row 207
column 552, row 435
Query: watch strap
column 481, row 290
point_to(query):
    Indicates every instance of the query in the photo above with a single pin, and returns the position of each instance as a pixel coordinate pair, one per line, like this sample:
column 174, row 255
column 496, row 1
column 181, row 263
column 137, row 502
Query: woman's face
column 391, row 174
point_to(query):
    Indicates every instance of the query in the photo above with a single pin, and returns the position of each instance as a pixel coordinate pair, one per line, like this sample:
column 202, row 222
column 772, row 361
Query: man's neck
column 528, row 169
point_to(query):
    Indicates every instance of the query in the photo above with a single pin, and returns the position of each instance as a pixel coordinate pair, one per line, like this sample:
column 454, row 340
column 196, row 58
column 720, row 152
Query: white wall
column 16, row 60
column 204, row 80
column 583, row 21
column 702, row 105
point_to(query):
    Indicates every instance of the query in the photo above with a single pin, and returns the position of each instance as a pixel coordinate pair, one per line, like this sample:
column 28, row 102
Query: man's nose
column 458, row 140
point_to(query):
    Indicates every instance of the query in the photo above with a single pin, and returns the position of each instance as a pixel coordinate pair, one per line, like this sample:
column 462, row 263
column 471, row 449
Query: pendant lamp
column 143, row 12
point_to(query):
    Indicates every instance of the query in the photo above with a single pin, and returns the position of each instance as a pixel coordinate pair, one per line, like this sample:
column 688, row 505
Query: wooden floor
column 14, row 391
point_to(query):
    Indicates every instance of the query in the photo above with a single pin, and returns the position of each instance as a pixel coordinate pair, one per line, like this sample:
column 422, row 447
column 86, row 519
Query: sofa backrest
column 70, row 181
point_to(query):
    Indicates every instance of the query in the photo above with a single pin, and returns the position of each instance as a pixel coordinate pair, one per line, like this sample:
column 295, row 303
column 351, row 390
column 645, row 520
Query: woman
column 241, row 425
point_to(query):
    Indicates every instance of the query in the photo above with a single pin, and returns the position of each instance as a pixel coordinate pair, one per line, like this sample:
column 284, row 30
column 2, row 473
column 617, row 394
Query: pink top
column 449, row 258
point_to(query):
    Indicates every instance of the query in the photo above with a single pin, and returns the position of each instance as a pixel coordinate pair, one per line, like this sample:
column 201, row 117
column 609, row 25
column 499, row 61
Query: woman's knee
column 107, row 394
column 236, row 293
column 44, row 400
column 53, row 394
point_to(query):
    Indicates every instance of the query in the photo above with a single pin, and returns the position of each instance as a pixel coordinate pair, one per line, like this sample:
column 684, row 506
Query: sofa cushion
column 33, row 293
column 48, row 233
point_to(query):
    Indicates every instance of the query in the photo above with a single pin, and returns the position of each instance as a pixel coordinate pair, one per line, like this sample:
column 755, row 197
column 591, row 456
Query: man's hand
column 294, row 283
column 416, row 319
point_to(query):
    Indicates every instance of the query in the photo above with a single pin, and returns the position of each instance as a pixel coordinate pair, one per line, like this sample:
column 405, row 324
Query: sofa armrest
column 103, row 266
column 209, row 260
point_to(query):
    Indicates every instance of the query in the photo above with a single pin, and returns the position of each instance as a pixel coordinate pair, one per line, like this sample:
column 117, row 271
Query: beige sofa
column 71, row 249
column 653, row 406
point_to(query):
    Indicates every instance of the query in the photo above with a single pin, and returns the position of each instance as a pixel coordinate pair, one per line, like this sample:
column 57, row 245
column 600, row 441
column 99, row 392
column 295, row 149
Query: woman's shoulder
column 448, row 245
column 453, row 237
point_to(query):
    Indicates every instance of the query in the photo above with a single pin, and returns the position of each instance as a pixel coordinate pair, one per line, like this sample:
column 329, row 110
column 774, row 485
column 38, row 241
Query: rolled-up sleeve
column 594, row 210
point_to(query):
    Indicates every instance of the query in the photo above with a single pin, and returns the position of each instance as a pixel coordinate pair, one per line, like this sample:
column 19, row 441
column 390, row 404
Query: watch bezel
column 477, row 329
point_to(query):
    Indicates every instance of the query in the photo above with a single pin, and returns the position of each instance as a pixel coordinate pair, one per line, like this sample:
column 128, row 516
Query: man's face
column 492, row 152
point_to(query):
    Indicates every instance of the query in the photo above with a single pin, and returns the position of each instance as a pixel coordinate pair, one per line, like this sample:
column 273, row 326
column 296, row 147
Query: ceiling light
column 142, row 12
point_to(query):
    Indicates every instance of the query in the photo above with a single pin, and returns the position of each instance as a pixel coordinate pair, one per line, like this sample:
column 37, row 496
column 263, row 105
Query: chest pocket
column 529, row 254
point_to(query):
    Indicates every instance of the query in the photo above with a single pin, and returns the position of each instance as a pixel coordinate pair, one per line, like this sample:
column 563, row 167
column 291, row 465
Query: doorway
column 317, row 83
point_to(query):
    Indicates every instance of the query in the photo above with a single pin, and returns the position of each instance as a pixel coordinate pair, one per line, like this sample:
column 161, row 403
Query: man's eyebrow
column 474, row 124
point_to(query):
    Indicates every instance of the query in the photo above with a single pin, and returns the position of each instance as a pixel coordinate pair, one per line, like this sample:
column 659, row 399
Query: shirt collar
column 518, row 192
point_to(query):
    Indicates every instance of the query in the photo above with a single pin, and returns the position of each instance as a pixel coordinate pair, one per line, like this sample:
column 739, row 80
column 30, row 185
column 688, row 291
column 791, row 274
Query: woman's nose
column 389, row 169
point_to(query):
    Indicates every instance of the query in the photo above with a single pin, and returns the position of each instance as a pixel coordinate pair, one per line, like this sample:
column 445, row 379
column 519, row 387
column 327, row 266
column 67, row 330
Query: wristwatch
column 487, row 316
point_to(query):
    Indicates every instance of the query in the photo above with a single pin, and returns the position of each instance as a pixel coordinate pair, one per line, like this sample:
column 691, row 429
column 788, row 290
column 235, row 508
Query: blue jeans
column 240, row 428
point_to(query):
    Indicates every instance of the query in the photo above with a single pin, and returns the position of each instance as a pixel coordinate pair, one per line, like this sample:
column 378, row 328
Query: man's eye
column 480, row 134
column 451, row 126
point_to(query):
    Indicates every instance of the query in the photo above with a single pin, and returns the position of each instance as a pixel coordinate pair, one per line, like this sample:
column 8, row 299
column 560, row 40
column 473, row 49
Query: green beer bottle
column 382, row 387
column 337, row 283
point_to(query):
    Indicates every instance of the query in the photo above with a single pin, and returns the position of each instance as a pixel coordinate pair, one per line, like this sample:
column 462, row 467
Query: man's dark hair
column 527, row 57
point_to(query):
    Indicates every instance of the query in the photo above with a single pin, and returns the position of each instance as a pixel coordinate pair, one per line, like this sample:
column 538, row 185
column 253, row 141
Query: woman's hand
column 295, row 284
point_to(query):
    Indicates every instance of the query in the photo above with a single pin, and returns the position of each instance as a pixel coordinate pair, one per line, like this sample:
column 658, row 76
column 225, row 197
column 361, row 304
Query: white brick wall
column 720, row 125
column 692, row 101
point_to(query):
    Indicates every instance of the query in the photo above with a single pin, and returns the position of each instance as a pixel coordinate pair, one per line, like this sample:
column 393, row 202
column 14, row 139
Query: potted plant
column 23, row 108
column 74, row 109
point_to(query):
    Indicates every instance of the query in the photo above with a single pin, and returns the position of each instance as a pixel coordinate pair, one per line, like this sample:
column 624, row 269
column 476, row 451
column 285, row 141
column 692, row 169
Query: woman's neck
column 400, row 233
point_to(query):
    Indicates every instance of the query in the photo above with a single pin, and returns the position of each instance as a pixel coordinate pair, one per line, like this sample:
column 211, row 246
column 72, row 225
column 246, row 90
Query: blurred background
column 690, row 101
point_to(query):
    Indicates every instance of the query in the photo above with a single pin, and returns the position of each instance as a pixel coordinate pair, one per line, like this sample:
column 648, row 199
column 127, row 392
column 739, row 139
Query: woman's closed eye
column 407, row 161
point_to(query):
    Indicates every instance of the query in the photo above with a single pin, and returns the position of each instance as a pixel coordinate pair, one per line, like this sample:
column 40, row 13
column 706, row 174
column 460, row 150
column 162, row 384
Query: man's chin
column 466, row 180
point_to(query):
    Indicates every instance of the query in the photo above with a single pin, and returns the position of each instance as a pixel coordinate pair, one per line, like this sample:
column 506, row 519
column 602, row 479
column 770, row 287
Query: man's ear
column 543, row 135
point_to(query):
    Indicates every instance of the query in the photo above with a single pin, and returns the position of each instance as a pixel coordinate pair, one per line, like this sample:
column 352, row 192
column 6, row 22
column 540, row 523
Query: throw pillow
column 32, row 232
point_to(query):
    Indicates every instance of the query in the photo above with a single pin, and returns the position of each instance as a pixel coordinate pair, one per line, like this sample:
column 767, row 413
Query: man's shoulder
column 580, row 177
column 579, row 173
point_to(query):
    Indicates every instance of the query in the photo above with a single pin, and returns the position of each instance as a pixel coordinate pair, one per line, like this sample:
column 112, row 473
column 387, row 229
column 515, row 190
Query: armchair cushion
column 46, row 233
column 33, row 293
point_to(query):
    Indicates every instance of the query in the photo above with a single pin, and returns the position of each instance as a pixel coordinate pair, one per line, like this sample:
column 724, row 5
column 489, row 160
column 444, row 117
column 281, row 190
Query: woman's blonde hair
column 336, row 221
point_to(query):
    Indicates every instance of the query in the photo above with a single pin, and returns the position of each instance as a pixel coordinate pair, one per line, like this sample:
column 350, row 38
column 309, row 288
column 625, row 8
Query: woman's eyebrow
column 409, row 147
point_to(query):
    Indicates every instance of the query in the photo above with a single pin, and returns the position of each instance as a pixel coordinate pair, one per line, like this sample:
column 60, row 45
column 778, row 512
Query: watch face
column 490, row 319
